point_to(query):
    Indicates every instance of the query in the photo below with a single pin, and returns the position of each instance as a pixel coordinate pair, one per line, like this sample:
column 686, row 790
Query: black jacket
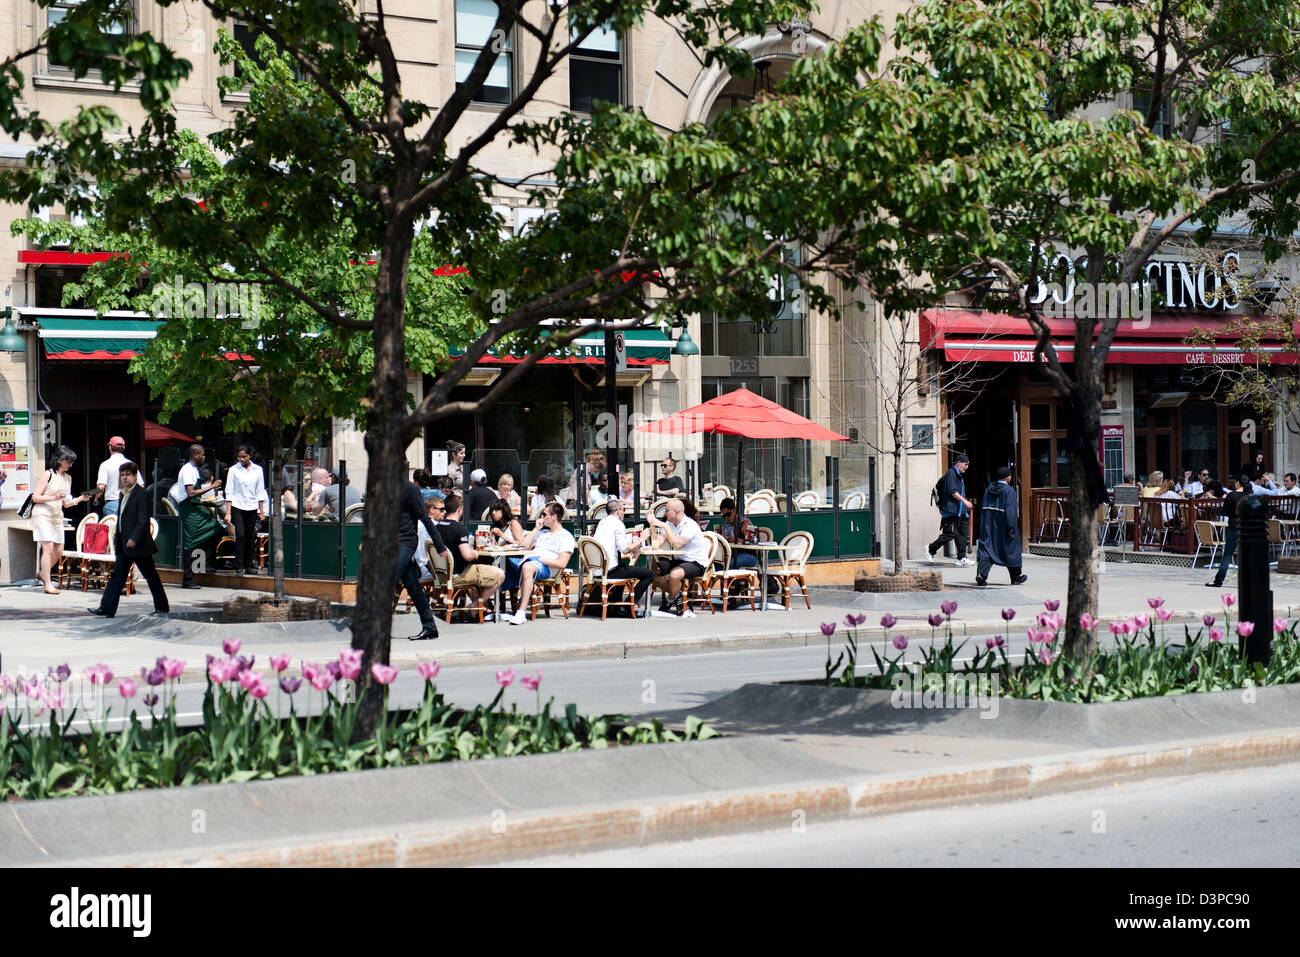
column 413, row 511
column 477, row 499
column 133, row 526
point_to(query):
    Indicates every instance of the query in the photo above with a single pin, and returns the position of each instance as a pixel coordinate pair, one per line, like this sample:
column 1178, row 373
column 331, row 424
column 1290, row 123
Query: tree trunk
column 1084, row 553
column 386, row 442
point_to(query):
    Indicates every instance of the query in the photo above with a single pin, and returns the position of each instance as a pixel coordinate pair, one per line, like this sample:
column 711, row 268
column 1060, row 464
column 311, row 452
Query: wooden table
column 763, row 549
column 500, row 553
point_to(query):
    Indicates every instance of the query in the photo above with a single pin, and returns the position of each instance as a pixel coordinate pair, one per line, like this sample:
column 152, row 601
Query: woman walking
column 50, row 497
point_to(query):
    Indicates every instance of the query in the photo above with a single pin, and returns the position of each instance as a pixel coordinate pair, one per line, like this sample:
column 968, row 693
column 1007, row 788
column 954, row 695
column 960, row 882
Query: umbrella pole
column 740, row 473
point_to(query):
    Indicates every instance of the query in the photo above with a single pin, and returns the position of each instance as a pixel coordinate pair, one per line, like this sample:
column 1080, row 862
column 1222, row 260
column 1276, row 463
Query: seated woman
column 599, row 491
column 504, row 528
column 544, row 496
column 506, row 490
column 1166, row 490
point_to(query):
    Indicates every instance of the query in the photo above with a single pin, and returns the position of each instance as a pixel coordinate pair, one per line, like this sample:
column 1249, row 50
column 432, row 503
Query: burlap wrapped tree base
column 903, row 581
column 238, row 610
column 1289, row 565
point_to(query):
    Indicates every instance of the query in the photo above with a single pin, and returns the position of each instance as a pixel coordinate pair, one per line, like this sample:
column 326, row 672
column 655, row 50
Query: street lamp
column 685, row 345
column 10, row 341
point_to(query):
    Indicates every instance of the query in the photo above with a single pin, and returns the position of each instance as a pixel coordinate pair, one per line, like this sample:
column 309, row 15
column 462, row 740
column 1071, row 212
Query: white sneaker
column 516, row 619
column 965, row 562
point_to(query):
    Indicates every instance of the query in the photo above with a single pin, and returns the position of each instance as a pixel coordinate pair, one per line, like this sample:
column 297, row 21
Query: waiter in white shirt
column 198, row 523
column 109, row 470
column 246, row 493
column 621, row 551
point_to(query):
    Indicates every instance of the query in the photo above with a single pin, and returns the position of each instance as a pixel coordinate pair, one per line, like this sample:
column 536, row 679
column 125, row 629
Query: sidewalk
column 38, row 630
column 797, row 753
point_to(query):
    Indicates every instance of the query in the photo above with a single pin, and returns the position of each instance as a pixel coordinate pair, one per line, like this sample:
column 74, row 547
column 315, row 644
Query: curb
column 575, row 830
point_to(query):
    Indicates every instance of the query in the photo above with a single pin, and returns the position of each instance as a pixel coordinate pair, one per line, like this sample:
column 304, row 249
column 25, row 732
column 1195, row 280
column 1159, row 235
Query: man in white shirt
column 552, row 545
column 109, row 469
column 621, row 551
column 1289, row 486
column 684, row 535
column 246, row 493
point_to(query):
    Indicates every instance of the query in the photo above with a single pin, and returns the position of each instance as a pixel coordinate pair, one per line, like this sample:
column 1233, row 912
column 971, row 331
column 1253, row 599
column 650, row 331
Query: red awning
column 62, row 257
column 969, row 336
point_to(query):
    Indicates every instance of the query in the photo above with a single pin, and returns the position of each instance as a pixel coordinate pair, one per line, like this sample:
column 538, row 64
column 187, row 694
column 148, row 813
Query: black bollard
column 1256, row 598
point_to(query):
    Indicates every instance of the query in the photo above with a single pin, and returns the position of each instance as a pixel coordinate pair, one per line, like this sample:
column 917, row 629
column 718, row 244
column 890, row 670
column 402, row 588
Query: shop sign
column 16, row 456
column 1172, row 284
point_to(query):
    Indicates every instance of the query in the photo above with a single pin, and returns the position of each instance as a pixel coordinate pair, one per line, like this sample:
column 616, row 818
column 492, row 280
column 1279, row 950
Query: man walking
column 134, row 545
column 408, row 573
column 1240, row 489
column 1000, row 530
column 954, row 511
column 108, row 472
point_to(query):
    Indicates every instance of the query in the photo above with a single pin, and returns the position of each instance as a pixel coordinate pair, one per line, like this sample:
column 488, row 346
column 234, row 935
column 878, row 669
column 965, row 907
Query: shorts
column 544, row 571
column 690, row 569
column 479, row 576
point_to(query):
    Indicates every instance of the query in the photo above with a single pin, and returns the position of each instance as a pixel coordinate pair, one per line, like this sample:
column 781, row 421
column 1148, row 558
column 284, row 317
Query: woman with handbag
column 50, row 497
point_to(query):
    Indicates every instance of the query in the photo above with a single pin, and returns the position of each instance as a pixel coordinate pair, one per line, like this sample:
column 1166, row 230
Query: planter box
column 244, row 610
column 903, row 581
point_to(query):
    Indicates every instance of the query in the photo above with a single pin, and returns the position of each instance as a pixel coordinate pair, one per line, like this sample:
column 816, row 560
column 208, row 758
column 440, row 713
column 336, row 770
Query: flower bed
column 241, row 739
column 1142, row 664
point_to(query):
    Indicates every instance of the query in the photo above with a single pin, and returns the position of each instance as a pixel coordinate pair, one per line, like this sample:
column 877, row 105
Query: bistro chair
column 595, row 565
column 719, row 493
column 66, row 560
column 96, row 569
column 855, row 500
column 597, row 511
column 1153, row 522
column 1206, row 537
column 1052, row 511
column 1276, row 544
column 434, row 586
column 169, row 507
column 760, row 504
column 354, row 514
column 1105, row 521
column 794, row 562
column 552, row 593
column 808, row 499
column 660, row 508
column 721, row 573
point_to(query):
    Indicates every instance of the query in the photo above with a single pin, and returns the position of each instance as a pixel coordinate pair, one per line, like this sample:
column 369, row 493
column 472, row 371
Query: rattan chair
column 794, row 561
column 1206, row 537
column 63, row 571
column 595, row 566
column 854, row 500
column 808, row 499
column 721, row 574
column 96, row 569
column 551, row 593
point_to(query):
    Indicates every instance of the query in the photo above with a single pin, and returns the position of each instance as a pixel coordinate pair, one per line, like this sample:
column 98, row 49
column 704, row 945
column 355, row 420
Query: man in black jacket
column 408, row 573
column 954, row 512
column 1241, row 488
column 133, row 544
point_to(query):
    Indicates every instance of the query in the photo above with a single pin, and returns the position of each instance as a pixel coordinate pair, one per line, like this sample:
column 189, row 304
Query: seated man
column 686, row 536
column 733, row 533
column 552, row 545
column 328, row 499
column 437, row 512
column 621, row 551
column 468, row 569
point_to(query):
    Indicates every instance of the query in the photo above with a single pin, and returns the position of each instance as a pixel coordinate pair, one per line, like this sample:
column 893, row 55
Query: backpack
column 936, row 493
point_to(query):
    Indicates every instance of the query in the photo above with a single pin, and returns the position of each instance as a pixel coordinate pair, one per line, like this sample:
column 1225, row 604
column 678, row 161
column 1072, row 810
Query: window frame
column 508, row 51
column 618, row 60
column 129, row 25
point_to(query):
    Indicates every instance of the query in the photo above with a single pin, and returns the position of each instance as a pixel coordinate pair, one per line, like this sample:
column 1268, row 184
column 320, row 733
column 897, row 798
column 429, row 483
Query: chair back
column 169, row 507
column 1103, row 513
column 592, row 557
column 660, row 508
column 79, row 535
column 1204, row 532
column 764, row 534
column 855, row 500
column 718, row 494
column 807, row 499
column 153, row 526
column 720, row 557
column 354, row 514
column 759, row 504
column 1274, row 532
column 111, row 522
column 439, row 565
column 1153, row 513
column 794, row 559
column 598, row 511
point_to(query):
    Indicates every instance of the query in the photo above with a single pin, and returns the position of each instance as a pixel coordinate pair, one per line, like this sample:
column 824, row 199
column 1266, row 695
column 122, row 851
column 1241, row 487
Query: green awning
column 107, row 338
column 644, row 347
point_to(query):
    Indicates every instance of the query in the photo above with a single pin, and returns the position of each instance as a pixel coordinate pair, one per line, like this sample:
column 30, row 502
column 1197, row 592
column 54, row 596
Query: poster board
column 17, row 456
column 438, row 460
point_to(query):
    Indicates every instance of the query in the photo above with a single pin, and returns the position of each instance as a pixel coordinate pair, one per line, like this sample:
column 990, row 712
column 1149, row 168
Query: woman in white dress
column 50, row 497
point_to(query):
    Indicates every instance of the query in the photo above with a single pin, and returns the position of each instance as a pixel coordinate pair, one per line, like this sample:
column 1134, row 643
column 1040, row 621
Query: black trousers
column 643, row 575
column 408, row 575
column 117, row 582
column 245, row 522
column 955, row 529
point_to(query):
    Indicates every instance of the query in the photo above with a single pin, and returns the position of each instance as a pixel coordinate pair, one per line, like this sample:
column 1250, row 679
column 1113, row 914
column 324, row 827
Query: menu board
column 16, row 456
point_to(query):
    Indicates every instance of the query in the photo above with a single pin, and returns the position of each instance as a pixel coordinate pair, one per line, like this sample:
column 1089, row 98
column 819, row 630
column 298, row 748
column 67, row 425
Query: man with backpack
column 954, row 511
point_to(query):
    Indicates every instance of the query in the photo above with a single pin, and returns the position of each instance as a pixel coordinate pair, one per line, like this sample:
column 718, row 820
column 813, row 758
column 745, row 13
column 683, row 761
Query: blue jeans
column 1229, row 549
column 744, row 560
column 110, row 507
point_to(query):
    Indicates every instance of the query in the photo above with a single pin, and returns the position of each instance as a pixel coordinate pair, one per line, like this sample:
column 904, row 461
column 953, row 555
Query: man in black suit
column 133, row 544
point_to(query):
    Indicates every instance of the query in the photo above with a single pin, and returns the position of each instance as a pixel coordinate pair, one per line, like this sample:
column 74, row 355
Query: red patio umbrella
column 744, row 414
column 159, row 436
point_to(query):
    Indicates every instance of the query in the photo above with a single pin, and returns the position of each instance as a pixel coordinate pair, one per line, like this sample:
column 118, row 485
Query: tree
column 1218, row 141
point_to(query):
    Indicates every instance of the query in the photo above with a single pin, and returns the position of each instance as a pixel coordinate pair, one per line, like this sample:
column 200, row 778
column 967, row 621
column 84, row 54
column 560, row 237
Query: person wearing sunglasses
column 669, row 483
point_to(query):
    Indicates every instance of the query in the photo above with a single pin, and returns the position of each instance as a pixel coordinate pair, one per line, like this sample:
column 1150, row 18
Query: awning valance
column 644, row 347
column 94, row 338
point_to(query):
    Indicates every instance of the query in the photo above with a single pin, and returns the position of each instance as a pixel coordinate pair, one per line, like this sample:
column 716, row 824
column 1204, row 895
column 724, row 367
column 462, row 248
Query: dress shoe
column 159, row 614
column 425, row 635
column 100, row 612
column 1020, row 581
column 981, row 581
column 191, row 585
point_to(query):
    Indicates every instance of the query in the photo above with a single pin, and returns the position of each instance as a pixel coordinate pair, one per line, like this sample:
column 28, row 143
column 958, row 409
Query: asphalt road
column 1248, row 818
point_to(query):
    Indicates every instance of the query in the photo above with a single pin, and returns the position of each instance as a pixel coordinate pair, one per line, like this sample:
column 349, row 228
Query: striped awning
column 107, row 338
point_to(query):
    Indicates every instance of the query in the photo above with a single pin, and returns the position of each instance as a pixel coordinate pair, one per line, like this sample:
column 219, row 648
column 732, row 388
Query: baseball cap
column 117, row 442
column 478, row 475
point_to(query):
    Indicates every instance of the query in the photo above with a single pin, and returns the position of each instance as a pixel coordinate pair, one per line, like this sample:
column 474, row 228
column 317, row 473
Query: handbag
column 25, row 509
column 94, row 539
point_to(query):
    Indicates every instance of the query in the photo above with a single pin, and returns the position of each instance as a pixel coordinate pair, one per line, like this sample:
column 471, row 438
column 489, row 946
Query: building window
column 246, row 35
column 782, row 332
column 1164, row 122
column 59, row 11
column 596, row 71
column 475, row 23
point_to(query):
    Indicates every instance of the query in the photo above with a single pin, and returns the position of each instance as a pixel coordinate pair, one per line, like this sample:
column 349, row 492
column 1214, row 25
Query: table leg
column 496, row 599
column 762, row 559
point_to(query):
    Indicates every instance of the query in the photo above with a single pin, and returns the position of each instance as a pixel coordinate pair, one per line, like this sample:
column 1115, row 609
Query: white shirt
column 612, row 535
column 551, row 545
column 1293, row 490
column 697, row 548
column 189, row 476
column 1258, row 489
column 108, row 475
column 246, row 487
column 1194, row 487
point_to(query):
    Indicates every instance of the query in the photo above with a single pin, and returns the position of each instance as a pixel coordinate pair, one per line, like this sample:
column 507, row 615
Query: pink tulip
column 1051, row 604
column 217, row 671
column 1141, row 619
column 531, row 683
column 351, row 656
column 310, row 670
column 505, row 678
column 428, row 670
column 248, row 679
column 997, row 641
column 98, row 674
column 384, row 674
column 888, row 621
column 231, row 646
column 1245, row 628
column 948, row 607
column 54, row 696
column 1128, row 627
column 260, row 689
column 1155, row 603
column 126, row 688
column 1087, row 622
column 290, row 685
column 900, row 642
column 828, row 628
column 321, row 680
column 172, row 667
column 853, row 621
column 1216, row 634
column 6, row 684
column 279, row 662
column 1279, row 625
column 935, row 620
column 1116, row 628
column 1164, row 614
column 1229, row 600
column 1046, row 656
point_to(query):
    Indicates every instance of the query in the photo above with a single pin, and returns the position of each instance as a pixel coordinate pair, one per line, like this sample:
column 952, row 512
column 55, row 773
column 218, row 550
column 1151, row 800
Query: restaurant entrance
column 1179, row 425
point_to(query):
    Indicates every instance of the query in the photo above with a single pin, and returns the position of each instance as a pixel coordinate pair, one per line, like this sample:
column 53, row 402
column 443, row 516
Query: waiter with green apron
column 198, row 524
